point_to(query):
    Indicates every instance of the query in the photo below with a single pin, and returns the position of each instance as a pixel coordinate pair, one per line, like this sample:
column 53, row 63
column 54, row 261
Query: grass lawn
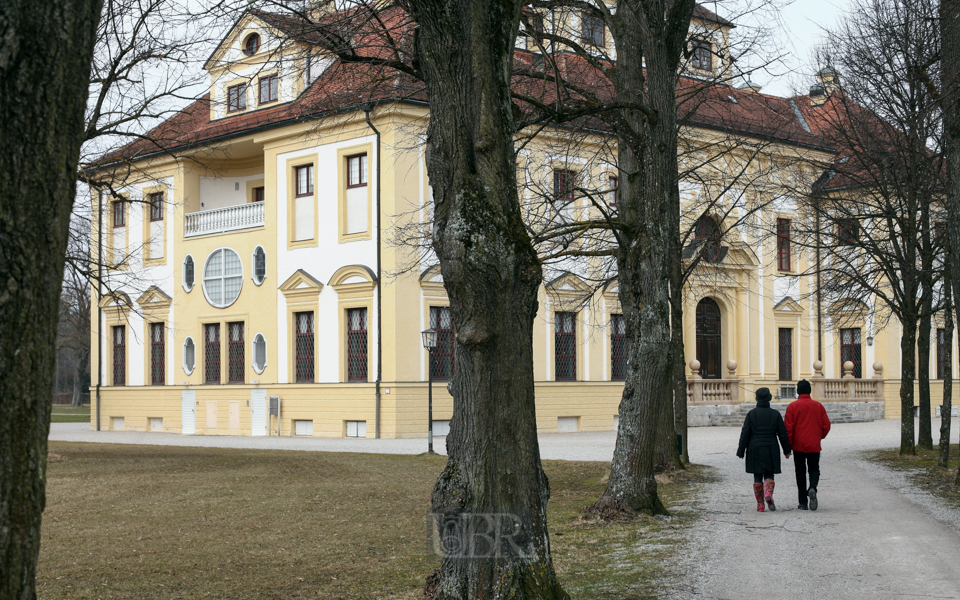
column 148, row 522
column 923, row 470
column 69, row 414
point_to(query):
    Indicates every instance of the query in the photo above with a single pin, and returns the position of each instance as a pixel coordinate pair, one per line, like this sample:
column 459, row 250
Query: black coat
column 761, row 429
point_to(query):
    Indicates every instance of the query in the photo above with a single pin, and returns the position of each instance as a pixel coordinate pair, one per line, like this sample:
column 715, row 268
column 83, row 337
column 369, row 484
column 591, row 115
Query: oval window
column 189, row 355
column 259, row 265
column 222, row 277
column 259, row 353
column 252, row 44
column 188, row 273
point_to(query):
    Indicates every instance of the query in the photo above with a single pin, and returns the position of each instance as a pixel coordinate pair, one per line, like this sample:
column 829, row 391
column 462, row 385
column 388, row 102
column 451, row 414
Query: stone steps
column 733, row 416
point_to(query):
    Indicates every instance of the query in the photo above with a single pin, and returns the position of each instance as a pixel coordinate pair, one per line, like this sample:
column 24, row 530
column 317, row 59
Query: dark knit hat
column 763, row 395
column 803, row 386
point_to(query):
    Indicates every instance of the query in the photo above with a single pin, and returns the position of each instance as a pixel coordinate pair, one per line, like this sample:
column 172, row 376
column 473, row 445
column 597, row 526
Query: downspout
column 367, row 107
column 99, row 306
column 819, row 294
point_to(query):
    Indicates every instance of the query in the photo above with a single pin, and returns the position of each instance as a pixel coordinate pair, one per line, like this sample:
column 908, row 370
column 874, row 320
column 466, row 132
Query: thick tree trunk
column 946, row 408
column 950, row 95
column 493, row 480
column 925, row 424
column 45, row 54
column 647, row 158
column 679, row 363
column 908, row 345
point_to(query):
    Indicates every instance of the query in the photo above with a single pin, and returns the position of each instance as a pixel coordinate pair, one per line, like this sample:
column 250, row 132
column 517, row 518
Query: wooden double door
column 708, row 339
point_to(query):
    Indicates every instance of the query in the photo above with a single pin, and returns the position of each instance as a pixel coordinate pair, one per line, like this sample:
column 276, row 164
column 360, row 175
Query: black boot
column 812, row 492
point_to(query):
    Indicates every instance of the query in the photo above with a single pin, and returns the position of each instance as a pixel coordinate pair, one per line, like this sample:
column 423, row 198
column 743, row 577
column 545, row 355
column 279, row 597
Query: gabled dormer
column 709, row 46
column 264, row 61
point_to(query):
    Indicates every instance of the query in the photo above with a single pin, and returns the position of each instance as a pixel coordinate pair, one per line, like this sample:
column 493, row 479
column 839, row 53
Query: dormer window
column 236, row 98
column 269, row 89
column 701, row 55
column 592, row 30
column 252, row 44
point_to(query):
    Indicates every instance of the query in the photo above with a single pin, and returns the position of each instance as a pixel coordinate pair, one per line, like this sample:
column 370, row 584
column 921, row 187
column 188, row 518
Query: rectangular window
column 304, row 180
column 565, row 346
column 614, row 192
column 783, row 244
column 564, row 184
column 442, row 362
column 119, row 213
column 850, row 349
column 157, row 354
column 591, row 29
column 211, row 353
column 536, row 26
column 236, row 98
column 701, row 56
column 303, row 324
column 258, row 194
column 156, row 206
column 235, row 352
column 848, row 232
column 119, row 355
column 941, row 353
column 357, row 344
column 269, row 88
column 356, row 170
column 786, row 354
column 618, row 348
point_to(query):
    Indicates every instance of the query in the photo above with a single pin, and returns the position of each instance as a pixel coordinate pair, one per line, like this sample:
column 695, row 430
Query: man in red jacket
column 807, row 423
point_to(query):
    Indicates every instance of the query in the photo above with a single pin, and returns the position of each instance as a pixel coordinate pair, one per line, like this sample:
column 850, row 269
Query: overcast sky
column 800, row 32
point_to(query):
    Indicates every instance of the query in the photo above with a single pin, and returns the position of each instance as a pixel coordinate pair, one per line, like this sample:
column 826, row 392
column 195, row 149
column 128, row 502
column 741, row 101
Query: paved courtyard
column 874, row 536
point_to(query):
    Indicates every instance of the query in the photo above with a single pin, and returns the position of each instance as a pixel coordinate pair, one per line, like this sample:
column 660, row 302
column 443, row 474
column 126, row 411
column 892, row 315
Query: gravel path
column 873, row 537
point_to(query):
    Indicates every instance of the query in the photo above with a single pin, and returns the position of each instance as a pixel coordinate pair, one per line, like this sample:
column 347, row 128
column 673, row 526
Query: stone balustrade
column 713, row 391
column 219, row 220
column 848, row 388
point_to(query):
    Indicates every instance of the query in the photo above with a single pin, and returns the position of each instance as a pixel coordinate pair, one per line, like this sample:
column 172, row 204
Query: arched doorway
column 708, row 338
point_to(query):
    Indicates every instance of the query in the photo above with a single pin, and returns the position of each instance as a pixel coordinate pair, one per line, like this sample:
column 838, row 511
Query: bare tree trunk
column 925, row 429
column 908, row 345
column 45, row 54
column 946, row 409
column 950, row 80
column 679, row 362
column 492, row 275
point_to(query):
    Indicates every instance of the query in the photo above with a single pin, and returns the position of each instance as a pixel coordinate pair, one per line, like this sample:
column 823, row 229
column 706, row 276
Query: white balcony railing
column 219, row 220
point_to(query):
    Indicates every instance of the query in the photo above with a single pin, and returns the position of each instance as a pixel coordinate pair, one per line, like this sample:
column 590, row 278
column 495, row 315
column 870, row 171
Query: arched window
column 222, row 277
column 259, row 265
column 707, row 229
column 189, row 355
column 259, row 353
column 188, row 273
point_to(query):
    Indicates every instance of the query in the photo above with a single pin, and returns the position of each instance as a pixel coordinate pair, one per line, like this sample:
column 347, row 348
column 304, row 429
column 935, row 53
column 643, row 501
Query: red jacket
column 807, row 423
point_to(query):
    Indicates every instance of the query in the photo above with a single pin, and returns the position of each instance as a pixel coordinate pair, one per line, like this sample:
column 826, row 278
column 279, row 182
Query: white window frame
column 183, row 273
column 253, row 265
column 263, row 367
column 222, row 278
column 189, row 371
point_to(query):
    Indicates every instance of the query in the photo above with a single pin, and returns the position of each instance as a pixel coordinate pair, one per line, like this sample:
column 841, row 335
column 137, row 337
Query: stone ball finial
column 848, row 369
column 817, row 365
column 694, row 365
column 877, row 370
column 732, row 367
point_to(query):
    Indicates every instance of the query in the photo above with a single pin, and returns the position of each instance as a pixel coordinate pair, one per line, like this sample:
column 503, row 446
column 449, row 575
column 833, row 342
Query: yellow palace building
column 256, row 282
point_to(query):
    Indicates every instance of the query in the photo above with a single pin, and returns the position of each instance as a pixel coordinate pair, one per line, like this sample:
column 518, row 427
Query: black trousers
column 804, row 462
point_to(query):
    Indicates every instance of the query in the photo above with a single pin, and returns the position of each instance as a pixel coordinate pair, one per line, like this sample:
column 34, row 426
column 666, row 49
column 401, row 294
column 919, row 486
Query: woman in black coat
column 761, row 429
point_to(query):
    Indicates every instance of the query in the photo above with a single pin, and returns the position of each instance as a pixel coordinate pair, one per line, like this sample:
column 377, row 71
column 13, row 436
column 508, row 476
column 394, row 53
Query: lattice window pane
column 443, row 364
column 259, row 264
column 188, row 273
column 259, row 353
column 189, row 355
column 157, row 354
column 565, row 346
column 357, row 344
column 618, row 347
column 305, row 344
column 236, row 349
column 850, row 349
column 119, row 356
column 211, row 337
column 786, row 354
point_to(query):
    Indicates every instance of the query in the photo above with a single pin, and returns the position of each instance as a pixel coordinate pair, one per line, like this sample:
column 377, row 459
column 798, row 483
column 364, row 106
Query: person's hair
column 803, row 386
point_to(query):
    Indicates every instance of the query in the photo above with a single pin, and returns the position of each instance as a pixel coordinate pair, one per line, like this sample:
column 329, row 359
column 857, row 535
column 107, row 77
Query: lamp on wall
column 429, row 343
column 869, row 340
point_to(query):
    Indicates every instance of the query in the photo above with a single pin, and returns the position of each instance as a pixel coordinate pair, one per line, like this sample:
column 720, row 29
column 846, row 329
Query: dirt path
column 874, row 537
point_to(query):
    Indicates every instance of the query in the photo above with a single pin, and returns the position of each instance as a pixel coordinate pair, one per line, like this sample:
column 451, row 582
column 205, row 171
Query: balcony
column 220, row 220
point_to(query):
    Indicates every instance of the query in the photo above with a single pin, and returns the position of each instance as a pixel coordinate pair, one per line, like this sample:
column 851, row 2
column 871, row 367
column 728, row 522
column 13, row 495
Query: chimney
column 818, row 96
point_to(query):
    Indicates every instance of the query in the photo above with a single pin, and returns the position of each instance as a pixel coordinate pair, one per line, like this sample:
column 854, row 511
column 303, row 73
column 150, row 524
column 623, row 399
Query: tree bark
column 679, row 362
column 647, row 159
column 45, row 54
column 946, row 408
column 908, row 345
column 492, row 275
column 925, row 423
